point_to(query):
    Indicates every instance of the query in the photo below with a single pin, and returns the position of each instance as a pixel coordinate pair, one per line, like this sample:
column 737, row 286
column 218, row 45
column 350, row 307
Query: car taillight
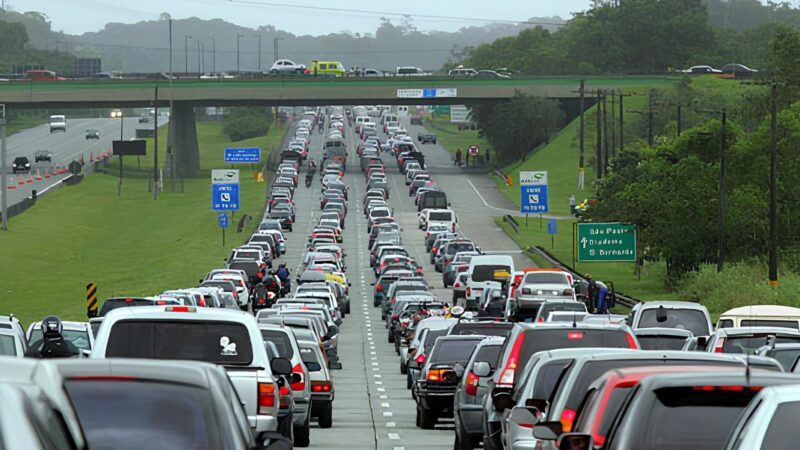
column 284, row 395
column 261, row 301
column 540, row 320
column 300, row 385
column 378, row 288
column 457, row 284
column 428, row 234
column 321, row 386
column 161, row 302
column 469, row 291
column 395, row 316
column 180, row 309
column 631, row 341
column 471, row 384
column 434, row 249
column 393, row 300
column 727, row 388
column 420, row 359
column 436, row 374
column 719, row 345
column 567, row 418
column 507, row 376
column 266, row 398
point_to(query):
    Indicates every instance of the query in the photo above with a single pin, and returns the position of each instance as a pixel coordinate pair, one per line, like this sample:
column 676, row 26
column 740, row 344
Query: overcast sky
column 78, row 16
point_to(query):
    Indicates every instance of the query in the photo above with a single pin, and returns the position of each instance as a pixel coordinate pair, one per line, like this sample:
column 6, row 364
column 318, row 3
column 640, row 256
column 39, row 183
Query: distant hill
column 143, row 46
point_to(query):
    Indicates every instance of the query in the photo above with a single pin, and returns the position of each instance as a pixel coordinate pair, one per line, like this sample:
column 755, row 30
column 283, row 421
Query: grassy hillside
column 129, row 246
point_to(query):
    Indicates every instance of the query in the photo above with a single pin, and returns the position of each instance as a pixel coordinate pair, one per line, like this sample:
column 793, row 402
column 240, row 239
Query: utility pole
column 238, row 38
column 186, row 38
column 170, row 50
column 3, row 167
column 621, row 122
column 259, row 52
column 213, row 55
column 650, row 119
column 580, row 139
column 773, row 188
column 613, row 123
column 598, row 111
column 605, row 134
column 155, row 145
column 723, row 198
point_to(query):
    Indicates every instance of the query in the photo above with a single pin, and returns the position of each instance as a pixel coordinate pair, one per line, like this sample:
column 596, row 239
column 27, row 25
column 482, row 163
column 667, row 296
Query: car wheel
column 427, row 418
column 347, row 307
column 403, row 368
column 290, row 228
column 302, row 435
column 492, row 442
column 390, row 337
column 274, row 71
column 325, row 418
column 408, row 379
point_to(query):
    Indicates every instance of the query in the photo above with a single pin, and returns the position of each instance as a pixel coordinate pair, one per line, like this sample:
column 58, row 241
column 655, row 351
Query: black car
column 738, row 70
column 284, row 217
column 491, row 74
column 43, row 155
column 21, row 164
column 144, row 119
column 92, row 134
column 425, row 138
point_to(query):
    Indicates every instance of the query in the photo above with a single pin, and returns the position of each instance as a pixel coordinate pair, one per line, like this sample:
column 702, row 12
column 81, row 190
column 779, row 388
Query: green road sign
column 605, row 242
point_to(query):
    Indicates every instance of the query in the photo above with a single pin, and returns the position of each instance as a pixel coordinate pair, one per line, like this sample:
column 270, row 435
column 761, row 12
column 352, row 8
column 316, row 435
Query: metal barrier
column 622, row 299
column 512, row 222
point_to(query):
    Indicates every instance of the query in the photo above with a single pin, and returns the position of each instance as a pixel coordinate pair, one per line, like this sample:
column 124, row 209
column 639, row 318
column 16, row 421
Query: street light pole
column 259, row 53
column 198, row 58
column 186, row 38
column 275, row 47
column 723, row 198
column 238, row 38
column 213, row 55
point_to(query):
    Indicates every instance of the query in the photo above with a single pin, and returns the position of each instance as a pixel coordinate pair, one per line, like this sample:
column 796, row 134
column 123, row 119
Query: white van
column 430, row 217
column 390, row 118
column 481, row 274
column 760, row 316
column 57, row 123
column 402, row 111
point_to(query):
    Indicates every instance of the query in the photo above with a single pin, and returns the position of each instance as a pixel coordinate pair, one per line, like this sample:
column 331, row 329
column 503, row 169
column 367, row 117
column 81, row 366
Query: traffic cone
column 38, row 175
column 11, row 184
column 91, row 157
column 20, row 181
column 47, row 172
column 30, row 178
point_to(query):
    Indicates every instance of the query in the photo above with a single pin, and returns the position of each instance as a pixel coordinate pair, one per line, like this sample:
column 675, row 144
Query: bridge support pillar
column 182, row 140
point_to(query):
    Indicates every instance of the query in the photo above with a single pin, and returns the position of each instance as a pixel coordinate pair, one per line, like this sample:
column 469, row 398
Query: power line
column 394, row 14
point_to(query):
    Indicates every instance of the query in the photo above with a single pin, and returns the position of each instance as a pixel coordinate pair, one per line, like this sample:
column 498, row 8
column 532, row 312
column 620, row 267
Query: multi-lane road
column 373, row 409
column 65, row 147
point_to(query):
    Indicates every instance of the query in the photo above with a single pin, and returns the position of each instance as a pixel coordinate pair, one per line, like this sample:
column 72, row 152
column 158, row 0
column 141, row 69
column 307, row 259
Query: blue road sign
column 242, row 155
column 533, row 199
column 223, row 220
column 552, row 226
column 225, row 197
column 429, row 92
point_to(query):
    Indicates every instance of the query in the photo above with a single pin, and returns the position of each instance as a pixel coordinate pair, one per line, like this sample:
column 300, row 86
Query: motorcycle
column 309, row 179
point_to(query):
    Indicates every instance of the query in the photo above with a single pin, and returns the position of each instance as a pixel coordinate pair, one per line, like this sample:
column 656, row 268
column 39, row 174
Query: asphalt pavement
column 65, row 147
column 372, row 407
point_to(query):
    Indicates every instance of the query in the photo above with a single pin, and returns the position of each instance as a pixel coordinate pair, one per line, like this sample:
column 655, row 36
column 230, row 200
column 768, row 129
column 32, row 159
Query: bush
column 246, row 122
column 739, row 284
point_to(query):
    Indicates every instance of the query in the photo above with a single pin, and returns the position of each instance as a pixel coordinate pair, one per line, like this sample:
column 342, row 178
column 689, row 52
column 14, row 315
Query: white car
column 286, row 66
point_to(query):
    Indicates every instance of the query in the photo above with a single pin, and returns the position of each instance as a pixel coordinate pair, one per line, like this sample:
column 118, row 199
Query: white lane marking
column 394, row 436
column 384, row 397
column 381, row 389
column 379, row 382
column 391, row 425
column 387, row 414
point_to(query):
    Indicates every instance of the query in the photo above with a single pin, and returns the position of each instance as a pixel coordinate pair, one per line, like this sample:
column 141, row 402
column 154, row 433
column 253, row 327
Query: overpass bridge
column 185, row 95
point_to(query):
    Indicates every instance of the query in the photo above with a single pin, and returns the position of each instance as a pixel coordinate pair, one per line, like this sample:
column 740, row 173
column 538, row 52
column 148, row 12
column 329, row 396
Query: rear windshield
column 431, row 336
column 308, row 355
column 769, row 323
column 440, row 216
column 454, row 351
column 114, row 414
column 225, row 343
column 545, row 278
column 548, row 378
column 7, row 347
column 661, row 342
column 78, row 338
column 684, row 319
column 486, row 272
column 786, row 357
column 547, row 308
column 489, row 354
column 281, row 341
column 537, row 340
column 452, row 249
column 684, row 417
column 226, row 286
column 749, row 344
column 482, row 329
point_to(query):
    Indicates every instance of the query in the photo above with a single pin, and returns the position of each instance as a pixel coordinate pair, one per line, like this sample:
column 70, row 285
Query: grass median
column 131, row 245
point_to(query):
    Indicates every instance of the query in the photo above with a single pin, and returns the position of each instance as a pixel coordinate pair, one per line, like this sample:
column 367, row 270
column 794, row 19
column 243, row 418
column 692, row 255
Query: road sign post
column 552, row 228
column 3, row 175
column 533, row 193
column 606, row 242
column 91, row 300
column 223, row 224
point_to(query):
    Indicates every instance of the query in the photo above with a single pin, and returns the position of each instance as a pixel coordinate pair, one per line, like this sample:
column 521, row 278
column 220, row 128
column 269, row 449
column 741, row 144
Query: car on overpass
column 283, row 66
column 701, row 70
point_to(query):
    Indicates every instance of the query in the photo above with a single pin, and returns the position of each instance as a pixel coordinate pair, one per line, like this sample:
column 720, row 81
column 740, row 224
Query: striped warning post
column 38, row 175
column 91, row 300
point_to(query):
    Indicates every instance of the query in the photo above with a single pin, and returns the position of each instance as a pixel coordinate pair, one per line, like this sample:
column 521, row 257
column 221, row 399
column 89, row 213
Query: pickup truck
column 226, row 337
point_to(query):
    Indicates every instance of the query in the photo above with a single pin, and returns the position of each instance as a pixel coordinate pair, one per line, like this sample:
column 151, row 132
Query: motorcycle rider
column 52, row 344
column 283, row 275
column 272, row 283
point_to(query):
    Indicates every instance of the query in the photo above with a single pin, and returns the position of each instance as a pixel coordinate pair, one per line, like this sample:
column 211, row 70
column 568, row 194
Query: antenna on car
column 574, row 319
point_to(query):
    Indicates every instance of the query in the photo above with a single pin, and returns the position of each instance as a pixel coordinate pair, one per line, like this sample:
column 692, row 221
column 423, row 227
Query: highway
column 65, row 147
column 373, row 408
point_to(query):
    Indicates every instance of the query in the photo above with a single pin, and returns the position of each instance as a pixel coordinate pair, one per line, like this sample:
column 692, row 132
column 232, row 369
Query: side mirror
column 702, row 341
column 459, row 370
column 333, row 330
column 482, row 369
column 313, row 366
column 372, row 283
column 281, row 366
column 526, row 417
column 574, row 441
column 547, row 431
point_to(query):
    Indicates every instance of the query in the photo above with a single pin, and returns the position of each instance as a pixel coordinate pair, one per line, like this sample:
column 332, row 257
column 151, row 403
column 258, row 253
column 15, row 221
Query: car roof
column 742, row 331
column 670, row 304
column 184, row 372
column 762, row 310
column 677, row 332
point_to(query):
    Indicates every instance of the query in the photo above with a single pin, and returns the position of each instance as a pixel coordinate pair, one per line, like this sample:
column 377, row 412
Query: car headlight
column 27, row 164
column 13, row 164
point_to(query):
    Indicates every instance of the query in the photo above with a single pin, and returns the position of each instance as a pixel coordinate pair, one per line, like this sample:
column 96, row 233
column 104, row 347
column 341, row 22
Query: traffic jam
column 496, row 355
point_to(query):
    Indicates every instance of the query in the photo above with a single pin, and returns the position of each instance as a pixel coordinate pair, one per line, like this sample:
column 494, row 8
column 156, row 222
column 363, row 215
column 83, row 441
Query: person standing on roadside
column 467, row 158
column 572, row 204
column 457, row 162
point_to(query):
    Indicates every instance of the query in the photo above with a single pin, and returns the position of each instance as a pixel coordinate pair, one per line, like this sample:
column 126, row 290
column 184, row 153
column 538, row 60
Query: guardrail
column 509, row 219
column 622, row 299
